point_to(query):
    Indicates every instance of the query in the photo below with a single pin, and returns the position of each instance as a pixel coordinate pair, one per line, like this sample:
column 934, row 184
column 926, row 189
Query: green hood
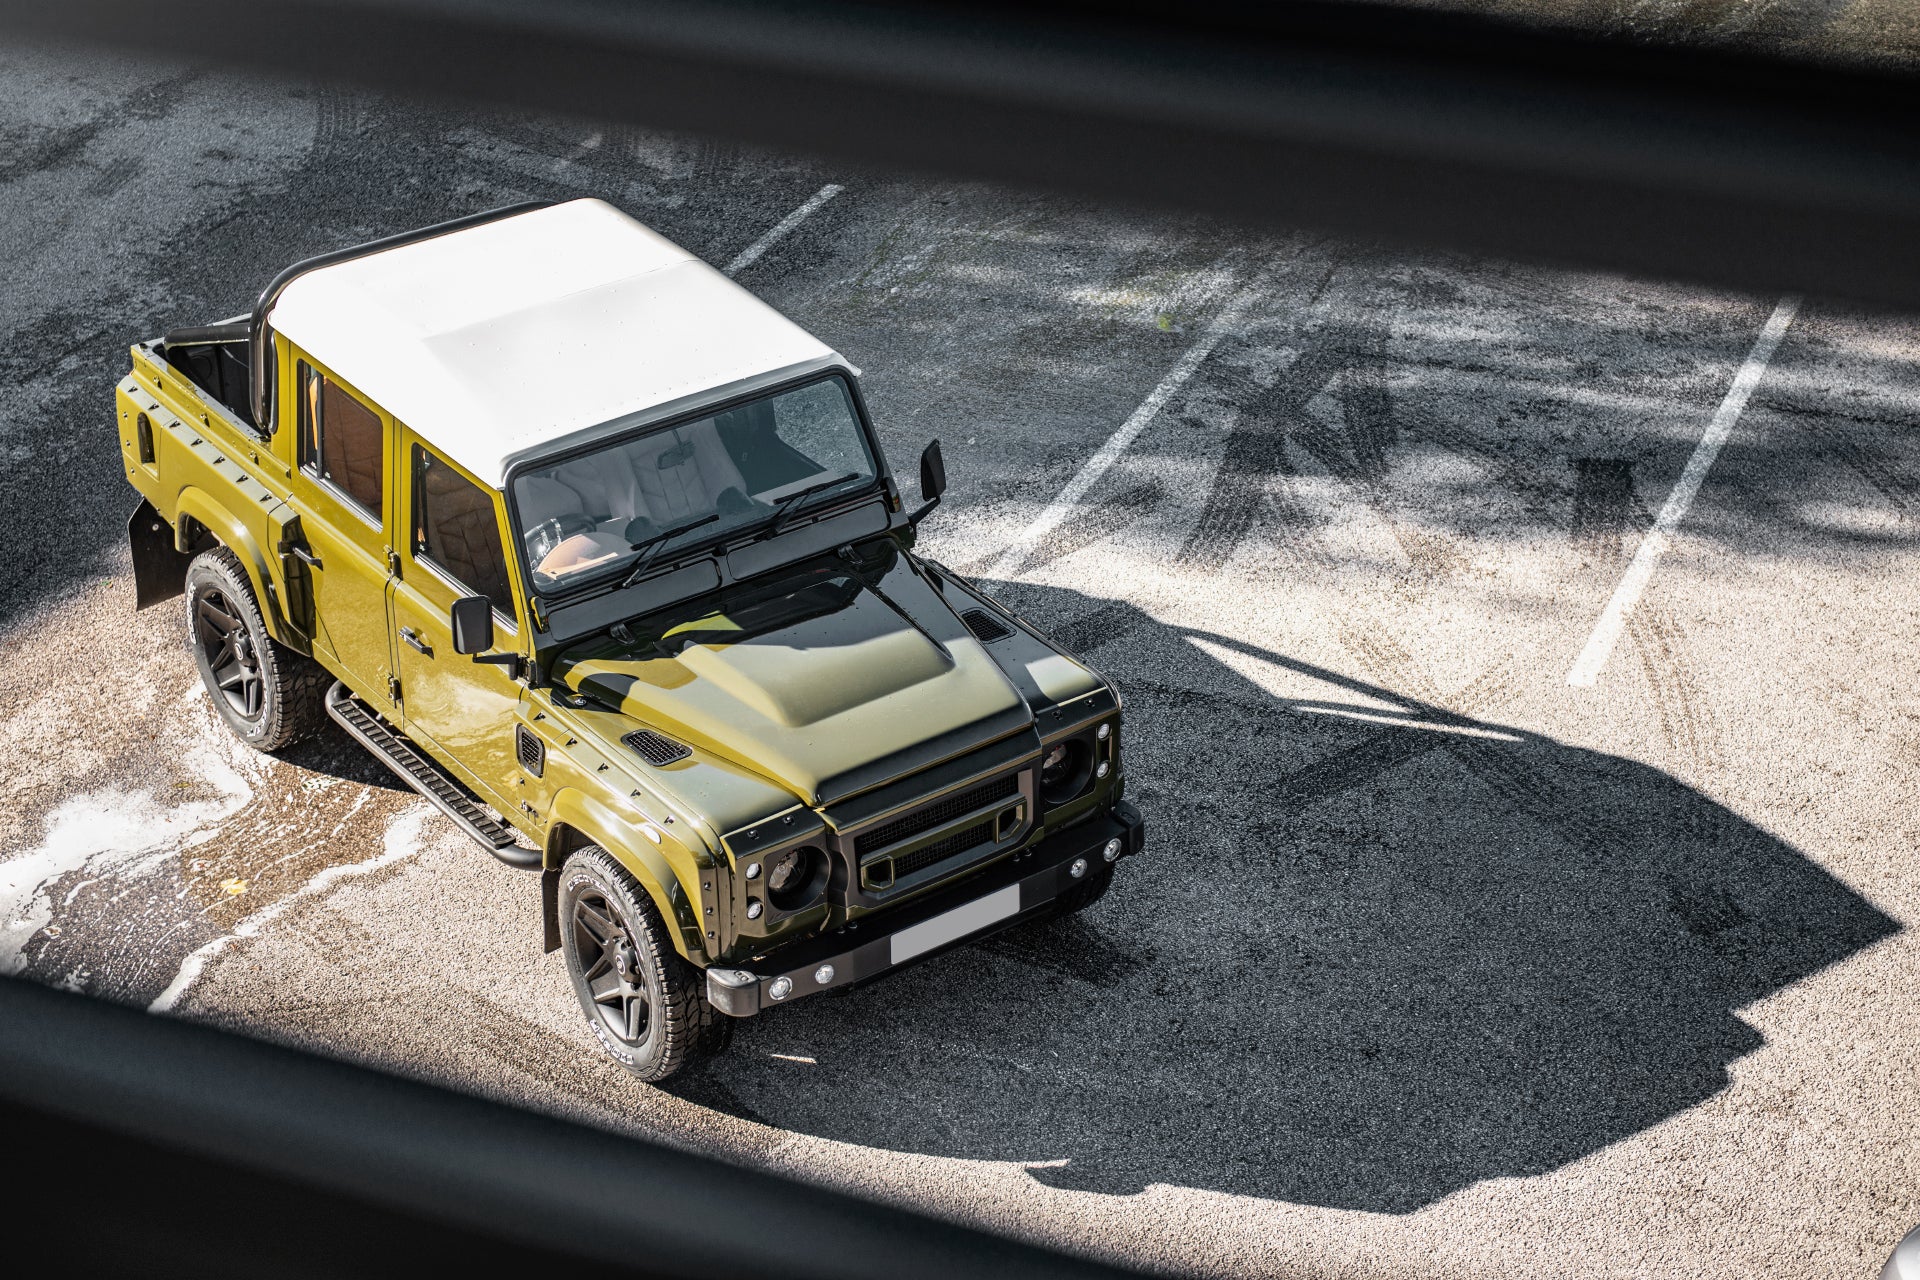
column 828, row 681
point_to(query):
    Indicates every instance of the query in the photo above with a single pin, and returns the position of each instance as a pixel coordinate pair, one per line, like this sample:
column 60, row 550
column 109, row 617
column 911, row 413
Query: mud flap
column 550, row 906
column 159, row 571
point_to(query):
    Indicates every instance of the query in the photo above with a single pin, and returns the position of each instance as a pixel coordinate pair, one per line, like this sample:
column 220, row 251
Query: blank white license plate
column 957, row 923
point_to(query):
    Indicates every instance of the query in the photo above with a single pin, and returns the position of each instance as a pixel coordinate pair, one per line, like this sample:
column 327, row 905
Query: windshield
column 604, row 511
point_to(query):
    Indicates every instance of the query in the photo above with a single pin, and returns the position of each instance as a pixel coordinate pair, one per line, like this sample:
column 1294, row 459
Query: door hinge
column 393, row 690
column 393, row 562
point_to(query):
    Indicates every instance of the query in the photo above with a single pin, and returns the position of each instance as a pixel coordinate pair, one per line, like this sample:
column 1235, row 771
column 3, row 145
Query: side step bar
column 426, row 777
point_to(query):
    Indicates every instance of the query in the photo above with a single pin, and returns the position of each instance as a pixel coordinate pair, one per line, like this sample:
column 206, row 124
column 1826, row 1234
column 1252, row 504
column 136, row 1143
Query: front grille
column 934, row 814
column 656, row 748
column 958, row 842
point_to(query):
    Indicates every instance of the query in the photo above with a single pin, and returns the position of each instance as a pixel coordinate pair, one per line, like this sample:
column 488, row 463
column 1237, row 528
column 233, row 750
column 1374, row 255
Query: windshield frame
column 611, row 579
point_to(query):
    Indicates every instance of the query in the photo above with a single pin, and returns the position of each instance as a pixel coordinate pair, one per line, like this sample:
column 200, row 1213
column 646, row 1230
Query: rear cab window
column 341, row 442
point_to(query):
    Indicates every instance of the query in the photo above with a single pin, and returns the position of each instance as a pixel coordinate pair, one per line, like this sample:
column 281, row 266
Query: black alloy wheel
column 645, row 1004
column 269, row 695
column 229, row 654
column 611, row 969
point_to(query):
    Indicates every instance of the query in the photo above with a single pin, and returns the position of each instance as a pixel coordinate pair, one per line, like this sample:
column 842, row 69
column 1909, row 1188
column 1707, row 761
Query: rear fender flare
column 233, row 535
column 617, row 834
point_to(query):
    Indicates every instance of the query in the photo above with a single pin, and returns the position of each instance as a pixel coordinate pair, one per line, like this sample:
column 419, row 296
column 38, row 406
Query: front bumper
column 1018, row 889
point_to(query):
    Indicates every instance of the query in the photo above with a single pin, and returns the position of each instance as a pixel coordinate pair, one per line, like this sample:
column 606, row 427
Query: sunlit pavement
column 1438, row 964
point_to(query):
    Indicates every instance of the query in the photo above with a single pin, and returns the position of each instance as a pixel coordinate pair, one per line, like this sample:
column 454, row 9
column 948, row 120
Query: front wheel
column 646, row 1005
column 269, row 695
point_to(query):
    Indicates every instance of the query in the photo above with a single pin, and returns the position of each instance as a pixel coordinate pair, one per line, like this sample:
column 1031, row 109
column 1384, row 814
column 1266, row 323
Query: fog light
column 823, row 975
column 1105, row 732
column 1078, row 869
column 1112, row 852
column 753, row 910
column 1102, row 769
column 780, row 988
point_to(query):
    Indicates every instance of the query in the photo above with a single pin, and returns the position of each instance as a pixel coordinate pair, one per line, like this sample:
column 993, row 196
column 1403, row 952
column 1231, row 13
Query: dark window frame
column 418, row 548
column 310, row 437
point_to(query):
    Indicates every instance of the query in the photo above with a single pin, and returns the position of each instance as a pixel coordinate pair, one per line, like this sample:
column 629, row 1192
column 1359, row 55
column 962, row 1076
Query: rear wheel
column 270, row 696
column 646, row 1005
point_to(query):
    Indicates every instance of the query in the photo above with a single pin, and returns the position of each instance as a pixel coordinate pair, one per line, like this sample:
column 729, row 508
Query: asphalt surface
column 1436, row 964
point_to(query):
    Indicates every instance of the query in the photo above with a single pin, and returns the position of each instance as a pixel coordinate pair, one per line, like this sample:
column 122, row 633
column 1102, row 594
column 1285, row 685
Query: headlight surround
column 1066, row 767
column 795, row 877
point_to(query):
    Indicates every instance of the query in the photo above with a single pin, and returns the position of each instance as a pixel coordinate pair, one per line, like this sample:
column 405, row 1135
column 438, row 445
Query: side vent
column 656, row 748
column 531, row 752
column 985, row 627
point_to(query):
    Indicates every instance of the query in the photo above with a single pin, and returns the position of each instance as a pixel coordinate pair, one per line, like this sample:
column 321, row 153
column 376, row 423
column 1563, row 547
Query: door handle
column 303, row 555
column 412, row 637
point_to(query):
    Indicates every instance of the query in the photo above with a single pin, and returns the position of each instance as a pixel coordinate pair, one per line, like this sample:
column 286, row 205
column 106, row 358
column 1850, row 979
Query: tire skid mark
column 1874, row 466
column 1607, row 517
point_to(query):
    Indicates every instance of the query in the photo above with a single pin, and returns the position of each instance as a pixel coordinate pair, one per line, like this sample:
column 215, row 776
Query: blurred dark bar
column 150, row 1147
column 1418, row 127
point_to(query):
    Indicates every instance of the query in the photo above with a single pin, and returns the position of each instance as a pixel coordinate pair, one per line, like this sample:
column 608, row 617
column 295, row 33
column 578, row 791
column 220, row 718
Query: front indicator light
column 780, row 988
column 1105, row 732
column 1112, row 852
column 753, row 910
column 823, row 975
column 1078, row 869
column 1102, row 769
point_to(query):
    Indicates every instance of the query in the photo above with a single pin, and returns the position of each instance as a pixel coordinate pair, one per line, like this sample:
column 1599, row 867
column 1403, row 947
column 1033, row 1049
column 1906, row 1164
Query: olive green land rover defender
column 599, row 553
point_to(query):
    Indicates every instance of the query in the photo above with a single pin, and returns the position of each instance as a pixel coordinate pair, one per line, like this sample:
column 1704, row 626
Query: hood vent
column 656, row 748
column 985, row 627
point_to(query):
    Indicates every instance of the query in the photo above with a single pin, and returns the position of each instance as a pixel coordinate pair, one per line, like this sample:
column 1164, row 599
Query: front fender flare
column 615, row 832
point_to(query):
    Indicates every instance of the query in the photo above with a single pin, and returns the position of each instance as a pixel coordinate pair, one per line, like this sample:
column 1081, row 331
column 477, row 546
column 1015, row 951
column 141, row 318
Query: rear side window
column 341, row 441
column 455, row 529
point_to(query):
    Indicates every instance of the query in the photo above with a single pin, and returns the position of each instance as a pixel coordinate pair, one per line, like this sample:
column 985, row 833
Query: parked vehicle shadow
column 1363, row 964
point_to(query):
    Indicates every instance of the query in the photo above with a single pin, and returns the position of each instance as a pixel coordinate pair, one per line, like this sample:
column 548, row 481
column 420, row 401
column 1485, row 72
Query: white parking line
column 1613, row 619
column 751, row 254
column 1109, row 453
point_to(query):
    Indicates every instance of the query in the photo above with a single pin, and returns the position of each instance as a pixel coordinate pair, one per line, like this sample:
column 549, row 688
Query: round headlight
column 795, row 877
column 1064, row 770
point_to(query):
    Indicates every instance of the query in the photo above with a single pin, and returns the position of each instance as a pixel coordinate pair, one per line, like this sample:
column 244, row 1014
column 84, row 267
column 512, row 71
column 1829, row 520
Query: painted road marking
column 1613, row 619
column 1109, row 453
column 751, row 254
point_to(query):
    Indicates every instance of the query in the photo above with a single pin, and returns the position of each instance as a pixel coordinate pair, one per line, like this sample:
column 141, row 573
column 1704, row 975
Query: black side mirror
column 933, row 473
column 933, row 481
column 472, row 625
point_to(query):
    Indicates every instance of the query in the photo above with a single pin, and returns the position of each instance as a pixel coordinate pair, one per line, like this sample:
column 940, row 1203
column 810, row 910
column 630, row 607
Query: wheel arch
column 579, row 820
column 200, row 521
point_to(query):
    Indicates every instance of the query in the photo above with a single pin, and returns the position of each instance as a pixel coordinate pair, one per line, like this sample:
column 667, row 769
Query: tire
column 646, row 1005
column 270, row 696
column 1089, row 891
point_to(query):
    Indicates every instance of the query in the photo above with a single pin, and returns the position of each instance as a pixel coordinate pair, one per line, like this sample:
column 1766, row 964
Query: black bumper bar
column 1021, row 888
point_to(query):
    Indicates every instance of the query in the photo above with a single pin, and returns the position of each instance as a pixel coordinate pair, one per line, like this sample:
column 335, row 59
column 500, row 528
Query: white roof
column 556, row 325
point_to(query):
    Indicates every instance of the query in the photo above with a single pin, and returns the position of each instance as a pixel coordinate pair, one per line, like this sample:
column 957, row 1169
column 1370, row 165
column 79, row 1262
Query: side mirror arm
column 922, row 511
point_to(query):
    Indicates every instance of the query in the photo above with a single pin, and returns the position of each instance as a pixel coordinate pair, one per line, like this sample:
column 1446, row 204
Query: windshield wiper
column 651, row 546
column 790, row 504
